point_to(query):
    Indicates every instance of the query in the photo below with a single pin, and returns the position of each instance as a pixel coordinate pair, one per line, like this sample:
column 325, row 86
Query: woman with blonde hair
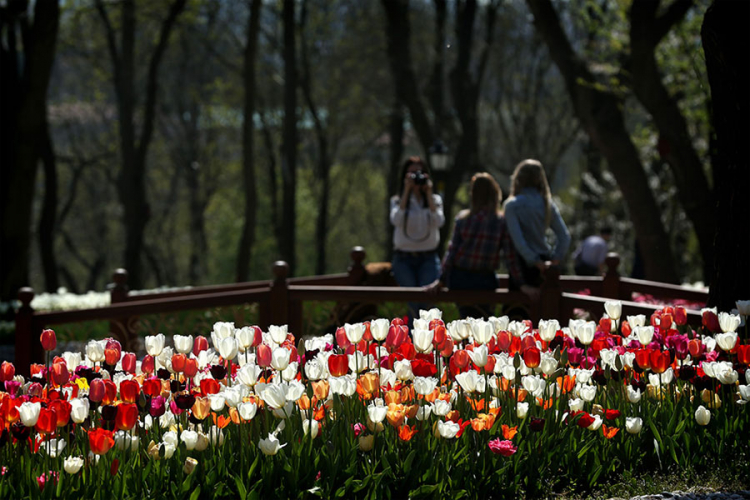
column 529, row 212
column 479, row 235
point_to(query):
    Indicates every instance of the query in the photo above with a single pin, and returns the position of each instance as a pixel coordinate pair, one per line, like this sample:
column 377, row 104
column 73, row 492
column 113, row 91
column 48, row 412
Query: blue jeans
column 415, row 270
column 460, row 279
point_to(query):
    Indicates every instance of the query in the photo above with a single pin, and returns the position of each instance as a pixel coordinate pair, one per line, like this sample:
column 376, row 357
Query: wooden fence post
column 278, row 303
column 611, row 282
column 122, row 328
column 356, row 269
column 550, row 296
column 25, row 334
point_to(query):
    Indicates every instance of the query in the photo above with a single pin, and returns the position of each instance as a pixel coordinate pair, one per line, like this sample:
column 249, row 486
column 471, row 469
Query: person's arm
column 562, row 235
column 397, row 213
column 437, row 217
column 516, row 234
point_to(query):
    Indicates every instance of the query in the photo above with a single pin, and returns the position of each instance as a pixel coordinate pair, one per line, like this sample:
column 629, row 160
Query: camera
column 419, row 178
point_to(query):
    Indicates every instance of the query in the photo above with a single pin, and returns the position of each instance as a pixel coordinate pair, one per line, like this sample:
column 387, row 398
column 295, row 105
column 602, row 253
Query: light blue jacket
column 525, row 216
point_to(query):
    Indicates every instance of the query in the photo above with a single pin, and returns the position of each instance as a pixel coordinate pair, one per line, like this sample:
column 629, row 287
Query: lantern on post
column 439, row 162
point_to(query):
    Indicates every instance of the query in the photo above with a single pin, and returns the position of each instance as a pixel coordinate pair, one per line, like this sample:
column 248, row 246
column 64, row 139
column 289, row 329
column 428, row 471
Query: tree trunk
column 289, row 147
column 49, row 212
column 600, row 114
column 727, row 50
column 693, row 189
column 23, row 99
column 132, row 177
column 248, row 150
column 395, row 154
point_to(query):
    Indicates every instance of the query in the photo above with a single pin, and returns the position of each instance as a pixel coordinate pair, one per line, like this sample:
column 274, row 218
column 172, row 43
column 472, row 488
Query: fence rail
column 281, row 300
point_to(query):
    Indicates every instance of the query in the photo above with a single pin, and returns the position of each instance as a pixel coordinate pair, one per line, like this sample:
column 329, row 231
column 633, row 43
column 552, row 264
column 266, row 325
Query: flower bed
column 480, row 409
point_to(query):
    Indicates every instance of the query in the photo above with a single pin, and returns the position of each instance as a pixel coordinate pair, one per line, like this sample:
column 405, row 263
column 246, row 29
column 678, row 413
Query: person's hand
column 531, row 292
column 408, row 184
column 433, row 287
column 427, row 186
column 540, row 265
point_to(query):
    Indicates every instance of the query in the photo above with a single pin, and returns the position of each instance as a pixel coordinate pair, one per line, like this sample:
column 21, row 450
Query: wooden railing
column 281, row 300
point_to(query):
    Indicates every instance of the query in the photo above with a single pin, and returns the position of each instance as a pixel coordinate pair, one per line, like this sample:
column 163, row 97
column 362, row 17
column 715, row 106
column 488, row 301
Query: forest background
column 196, row 142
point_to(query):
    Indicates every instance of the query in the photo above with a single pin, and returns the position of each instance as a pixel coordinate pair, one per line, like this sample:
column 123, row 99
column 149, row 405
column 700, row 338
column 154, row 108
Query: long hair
column 530, row 173
column 485, row 194
column 412, row 160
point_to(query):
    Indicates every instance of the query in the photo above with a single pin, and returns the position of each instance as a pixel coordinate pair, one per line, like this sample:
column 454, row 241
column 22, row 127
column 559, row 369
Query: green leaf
column 409, row 460
column 425, row 489
column 196, row 493
column 241, row 490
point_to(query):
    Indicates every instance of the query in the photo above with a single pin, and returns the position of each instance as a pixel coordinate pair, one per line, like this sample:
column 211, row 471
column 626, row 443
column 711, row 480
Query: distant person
column 417, row 216
column 479, row 235
column 590, row 255
column 529, row 212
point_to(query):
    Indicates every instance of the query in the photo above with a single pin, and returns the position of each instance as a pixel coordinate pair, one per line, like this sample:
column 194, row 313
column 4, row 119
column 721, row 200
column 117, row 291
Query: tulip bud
column 366, row 443
column 200, row 344
column 190, row 465
column 96, row 390
column 48, row 340
column 73, row 464
column 702, row 415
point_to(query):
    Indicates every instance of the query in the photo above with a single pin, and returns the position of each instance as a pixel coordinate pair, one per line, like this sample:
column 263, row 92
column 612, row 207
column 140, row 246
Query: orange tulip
column 201, row 407
column 392, row 397
column 477, row 405
column 509, row 432
column 62, row 411
column 369, row 383
column 405, row 433
column 178, row 362
column 101, row 441
column 395, row 414
column 609, row 432
column 411, row 411
column 60, row 374
column 643, row 358
column 127, row 416
column 209, row 386
column 531, row 356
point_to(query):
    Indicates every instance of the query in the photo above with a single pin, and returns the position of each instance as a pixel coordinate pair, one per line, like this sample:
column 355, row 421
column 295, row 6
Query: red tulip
column 338, row 364
column 7, row 371
column 711, row 321
column 423, row 368
column 129, row 390
column 47, row 422
column 503, row 341
column 532, row 357
column 696, row 348
column 655, row 319
column 665, row 322
column 48, row 340
column 62, row 410
column 110, row 392
column 585, row 420
column 201, row 344
column 625, row 328
column 743, row 353
column 680, row 316
column 643, row 358
column 101, row 441
column 127, row 416
column 461, row 358
column 605, row 324
column 440, row 336
column 178, row 362
column 96, row 390
column 148, row 364
column 152, row 387
column 447, row 348
column 60, row 374
column 341, row 339
column 191, row 367
column 660, row 361
column 397, row 335
column 111, row 356
column 263, row 356
column 209, row 386
column 490, row 366
column 128, row 362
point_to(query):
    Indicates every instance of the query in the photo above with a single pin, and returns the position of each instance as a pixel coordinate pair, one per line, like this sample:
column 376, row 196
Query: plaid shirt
column 476, row 245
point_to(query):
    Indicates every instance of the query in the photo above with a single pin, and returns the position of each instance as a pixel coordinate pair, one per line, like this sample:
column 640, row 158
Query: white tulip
column 354, row 332
column 702, row 415
column 468, row 380
column 743, row 307
column 644, row 334
column 228, row 348
column 482, row 331
column 499, row 324
column 596, row 424
column 377, row 413
column 379, row 329
column 433, row 313
column 95, row 351
column 517, row 328
column 155, row 344
column 280, row 358
column 248, row 374
column 403, row 371
column 729, row 322
column 73, row 464
column 587, row 392
column 522, row 409
column 585, row 332
column 53, row 447
column 217, row 402
column 278, row 333
column 424, row 411
column 274, row 395
column 441, row 407
column 183, row 343
column 247, row 411
column 270, row 445
column 613, row 308
column 79, row 409
column 726, row 341
column 637, row 320
column 215, row 437
column 423, row 340
column 634, row 395
column 479, row 355
column 548, row 329
column 29, row 413
column 424, row 385
column 448, row 430
column 575, row 404
column 633, row 424
column 190, row 438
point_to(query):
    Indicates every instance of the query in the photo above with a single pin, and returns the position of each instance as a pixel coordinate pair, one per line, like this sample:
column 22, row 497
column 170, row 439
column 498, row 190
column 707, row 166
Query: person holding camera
column 417, row 216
